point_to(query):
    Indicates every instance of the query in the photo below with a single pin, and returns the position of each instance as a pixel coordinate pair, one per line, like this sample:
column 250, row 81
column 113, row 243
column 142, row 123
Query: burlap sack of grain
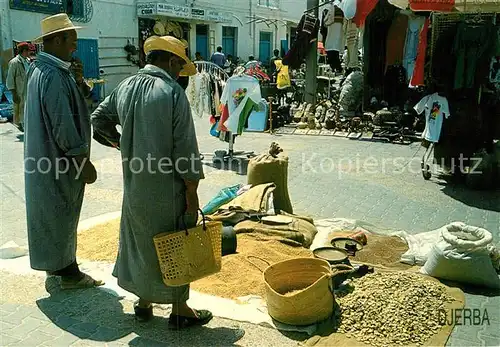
column 271, row 167
column 287, row 226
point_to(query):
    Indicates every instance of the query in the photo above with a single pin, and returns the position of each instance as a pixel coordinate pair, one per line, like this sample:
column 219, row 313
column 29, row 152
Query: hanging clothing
column 363, row 9
column 352, row 40
column 156, row 122
column 323, row 29
column 335, row 30
column 432, row 5
column 348, row 8
column 473, row 46
column 239, row 93
column 333, row 59
column 415, row 25
column 375, row 41
column 57, row 128
column 419, row 71
column 396, row 39
column 304, row 37
column 395, row 86
column 436, row 108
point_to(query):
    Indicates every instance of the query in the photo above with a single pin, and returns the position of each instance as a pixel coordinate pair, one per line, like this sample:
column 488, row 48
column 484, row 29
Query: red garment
column 418, row 72
column 396, row 39
column 363, row 9
column 432, row 5
column 223, row 118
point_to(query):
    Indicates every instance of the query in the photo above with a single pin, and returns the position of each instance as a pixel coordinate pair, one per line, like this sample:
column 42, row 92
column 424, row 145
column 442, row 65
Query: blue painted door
column 87, row 50
column 229, row 41
column 265, row 47
column 202, row 40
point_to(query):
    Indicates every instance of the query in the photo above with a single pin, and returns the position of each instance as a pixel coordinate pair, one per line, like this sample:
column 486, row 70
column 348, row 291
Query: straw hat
column 56, row 24
column 174, row 46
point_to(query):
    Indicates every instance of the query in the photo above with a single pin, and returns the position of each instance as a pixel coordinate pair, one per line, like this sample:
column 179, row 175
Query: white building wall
column 115, row 22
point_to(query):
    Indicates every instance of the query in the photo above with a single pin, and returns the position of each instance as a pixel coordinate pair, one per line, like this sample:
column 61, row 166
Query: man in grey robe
column 56, row 154
column 161, row 170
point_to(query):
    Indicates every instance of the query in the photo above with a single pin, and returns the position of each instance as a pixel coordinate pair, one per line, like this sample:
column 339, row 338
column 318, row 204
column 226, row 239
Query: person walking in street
column 16, row 81
column 273, row 68
column 218, row 58
column 56, row 154
column 157, row 127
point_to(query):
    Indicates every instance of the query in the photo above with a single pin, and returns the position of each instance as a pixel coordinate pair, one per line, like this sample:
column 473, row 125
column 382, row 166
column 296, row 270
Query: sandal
column 85, row 282
column 181, row 322
column 143, row 314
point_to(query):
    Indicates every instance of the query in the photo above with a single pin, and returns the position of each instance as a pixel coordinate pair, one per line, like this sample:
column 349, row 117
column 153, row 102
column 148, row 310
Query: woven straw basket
column 311, row 281
column 186, row 256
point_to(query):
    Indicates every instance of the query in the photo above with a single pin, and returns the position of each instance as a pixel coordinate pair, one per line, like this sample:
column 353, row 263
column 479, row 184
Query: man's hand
column 89, row 173
column 77, row 69
column 16, row 97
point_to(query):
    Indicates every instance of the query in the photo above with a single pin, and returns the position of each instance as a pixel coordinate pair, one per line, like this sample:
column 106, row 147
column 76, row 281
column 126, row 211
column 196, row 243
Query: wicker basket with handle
column 299, row 291
column 188, row 255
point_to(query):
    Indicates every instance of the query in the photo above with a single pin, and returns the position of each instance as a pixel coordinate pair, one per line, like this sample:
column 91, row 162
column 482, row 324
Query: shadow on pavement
column 20, row 138
column 237, row 165
column 484, row 200
column 97, row 314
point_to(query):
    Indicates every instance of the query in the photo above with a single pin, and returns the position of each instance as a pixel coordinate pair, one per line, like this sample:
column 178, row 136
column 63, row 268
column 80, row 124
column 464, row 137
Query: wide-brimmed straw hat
column 56, row 24
column 174, row 46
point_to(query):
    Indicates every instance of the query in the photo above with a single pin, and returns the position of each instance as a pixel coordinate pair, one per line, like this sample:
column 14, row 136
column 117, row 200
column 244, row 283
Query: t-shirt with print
column 436, row 108
column 237, row 91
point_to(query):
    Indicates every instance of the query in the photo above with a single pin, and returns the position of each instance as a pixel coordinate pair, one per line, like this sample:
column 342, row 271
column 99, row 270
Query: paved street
column 328, row 177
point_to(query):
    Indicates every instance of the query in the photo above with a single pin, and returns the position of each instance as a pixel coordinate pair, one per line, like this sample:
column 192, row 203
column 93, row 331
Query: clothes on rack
column 239, row 96
column 473, row 45
column 304, row 37
column 396, row 39
column 419, row 70
column 203, row 92
column 436, row 108
column 352, row 43
column 415, row 24
column 335, row 30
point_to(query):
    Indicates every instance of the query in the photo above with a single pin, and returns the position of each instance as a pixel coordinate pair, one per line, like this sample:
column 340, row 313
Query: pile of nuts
column 393, row 308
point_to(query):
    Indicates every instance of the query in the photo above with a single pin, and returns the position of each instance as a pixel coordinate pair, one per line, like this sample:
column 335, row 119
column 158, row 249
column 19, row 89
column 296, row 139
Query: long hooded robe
column 156, row 121
column 57, row 127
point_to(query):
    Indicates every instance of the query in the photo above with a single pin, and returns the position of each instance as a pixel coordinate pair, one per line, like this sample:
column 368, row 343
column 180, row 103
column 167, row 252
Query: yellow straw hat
column 56, row 24
column 174, row 46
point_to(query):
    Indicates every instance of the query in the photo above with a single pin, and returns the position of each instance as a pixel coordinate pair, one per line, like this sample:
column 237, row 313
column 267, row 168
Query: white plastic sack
column 462, row 255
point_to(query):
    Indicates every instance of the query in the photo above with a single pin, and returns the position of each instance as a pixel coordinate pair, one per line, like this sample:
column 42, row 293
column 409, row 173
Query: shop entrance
column 202, row 40
column 265, row 47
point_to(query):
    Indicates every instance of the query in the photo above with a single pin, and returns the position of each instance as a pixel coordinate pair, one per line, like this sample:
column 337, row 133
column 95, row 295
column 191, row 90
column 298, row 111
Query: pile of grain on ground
column 380, row 249
column 99, row 243
column 393, row 308
column 238, row 276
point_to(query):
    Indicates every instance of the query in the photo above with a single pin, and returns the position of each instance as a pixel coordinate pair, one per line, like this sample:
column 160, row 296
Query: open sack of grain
column 391, row 308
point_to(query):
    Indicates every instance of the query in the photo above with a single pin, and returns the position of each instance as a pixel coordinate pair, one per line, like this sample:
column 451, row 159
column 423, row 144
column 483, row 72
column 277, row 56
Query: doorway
column 265, row 47
column 229, row 41
column 202, row 40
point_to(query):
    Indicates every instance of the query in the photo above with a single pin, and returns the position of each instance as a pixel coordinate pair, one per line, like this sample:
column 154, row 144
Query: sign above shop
column 146, row 8
column 40, row 6
column 179, row 11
